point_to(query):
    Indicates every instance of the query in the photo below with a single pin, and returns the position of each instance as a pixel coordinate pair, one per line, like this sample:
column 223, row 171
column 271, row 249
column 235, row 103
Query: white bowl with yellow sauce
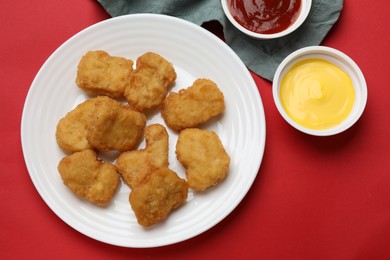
column 319, row 90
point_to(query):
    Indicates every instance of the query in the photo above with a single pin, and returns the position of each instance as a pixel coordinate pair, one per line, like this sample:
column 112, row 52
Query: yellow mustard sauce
column 317, row 94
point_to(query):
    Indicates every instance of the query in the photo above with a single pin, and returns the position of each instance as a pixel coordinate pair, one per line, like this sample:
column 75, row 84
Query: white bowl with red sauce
column 266, row 19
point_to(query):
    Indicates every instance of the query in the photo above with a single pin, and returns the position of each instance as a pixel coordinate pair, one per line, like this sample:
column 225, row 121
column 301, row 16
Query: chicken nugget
column 114, row 126
column 149, row 82
column 193, row 106
column 153, row 200
column 88, row 177
column 135, row 166
column 71, row 131
column 98, row 73
column 202, row 154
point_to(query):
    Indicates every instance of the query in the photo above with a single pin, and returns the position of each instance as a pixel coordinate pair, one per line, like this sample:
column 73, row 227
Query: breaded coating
column 149, row 82
column 88, row 177
column 71, row 131
column 153, row 200
column 193, row 106
column 114, row 126
column 99, row 73
column 202, row 154
column 135, row 166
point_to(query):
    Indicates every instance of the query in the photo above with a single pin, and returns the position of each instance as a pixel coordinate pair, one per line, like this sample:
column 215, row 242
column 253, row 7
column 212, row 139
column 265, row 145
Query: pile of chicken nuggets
column 114, row 119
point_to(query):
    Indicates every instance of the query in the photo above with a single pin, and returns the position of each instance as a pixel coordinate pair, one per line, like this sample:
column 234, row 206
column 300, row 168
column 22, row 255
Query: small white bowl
column 343, row 62
column 305, row 9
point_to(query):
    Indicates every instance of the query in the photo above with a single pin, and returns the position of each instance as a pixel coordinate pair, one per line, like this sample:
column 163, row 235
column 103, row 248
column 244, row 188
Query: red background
column 314, row 197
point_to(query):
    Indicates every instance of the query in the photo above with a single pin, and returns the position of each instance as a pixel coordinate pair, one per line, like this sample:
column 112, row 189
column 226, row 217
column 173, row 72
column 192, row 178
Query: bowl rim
column 305, row 10
column 339, row 59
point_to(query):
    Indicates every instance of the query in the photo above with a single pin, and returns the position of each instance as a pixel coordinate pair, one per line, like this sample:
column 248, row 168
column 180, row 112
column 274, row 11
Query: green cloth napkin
column 260, row 56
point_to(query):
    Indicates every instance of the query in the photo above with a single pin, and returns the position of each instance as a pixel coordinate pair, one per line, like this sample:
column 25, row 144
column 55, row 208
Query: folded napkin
column 260, row 56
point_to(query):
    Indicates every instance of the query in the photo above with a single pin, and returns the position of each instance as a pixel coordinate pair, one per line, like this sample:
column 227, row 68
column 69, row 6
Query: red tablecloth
column 314, row 198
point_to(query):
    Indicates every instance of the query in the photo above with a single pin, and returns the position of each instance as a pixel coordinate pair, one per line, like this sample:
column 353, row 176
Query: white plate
column 194, row 53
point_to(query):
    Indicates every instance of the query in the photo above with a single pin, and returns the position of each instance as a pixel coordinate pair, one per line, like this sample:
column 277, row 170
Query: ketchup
column 265, row 16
